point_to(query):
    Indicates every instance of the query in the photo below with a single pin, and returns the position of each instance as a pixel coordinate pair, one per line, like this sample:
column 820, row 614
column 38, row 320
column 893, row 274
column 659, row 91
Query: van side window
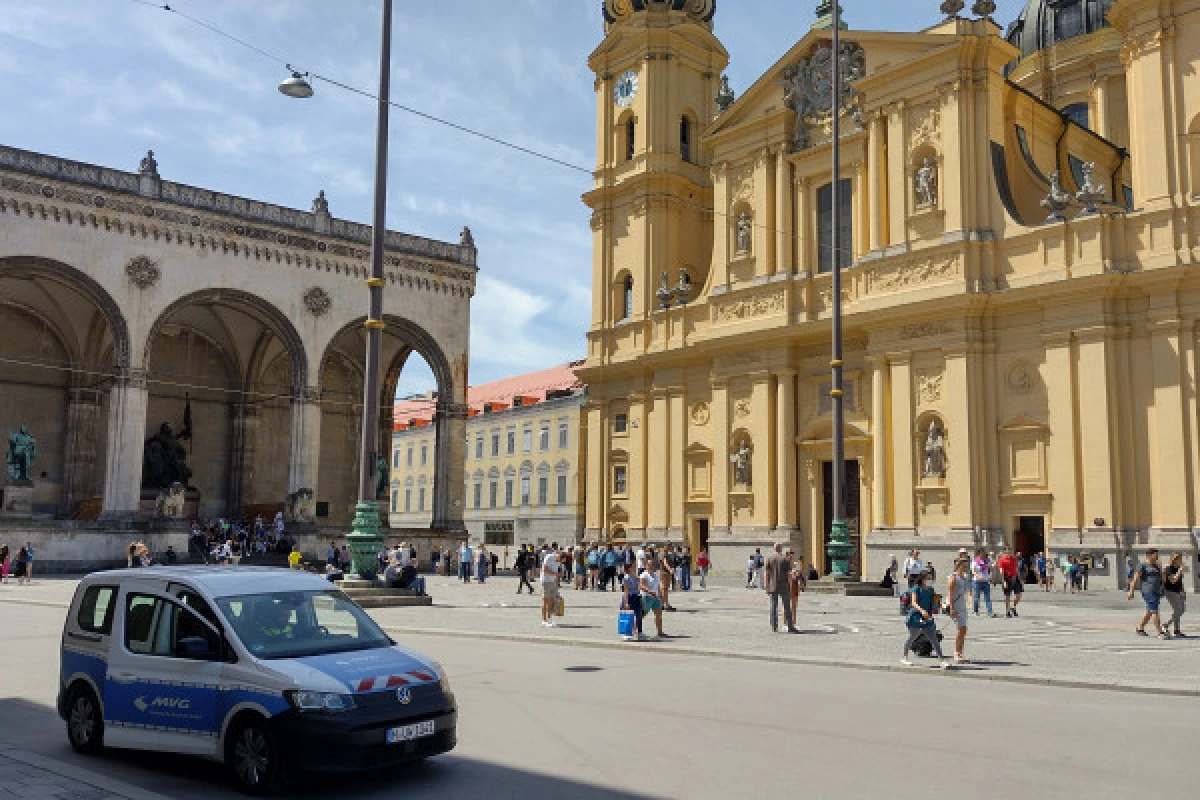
column 154, row 627
column 96, row 609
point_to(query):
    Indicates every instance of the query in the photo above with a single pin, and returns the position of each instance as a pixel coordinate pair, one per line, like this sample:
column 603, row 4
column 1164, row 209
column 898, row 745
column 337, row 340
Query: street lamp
column 365, row 538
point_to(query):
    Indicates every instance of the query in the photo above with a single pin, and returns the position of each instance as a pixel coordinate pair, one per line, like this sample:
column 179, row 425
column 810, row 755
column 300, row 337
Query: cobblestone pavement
column 1071, row 640
column 28, row 776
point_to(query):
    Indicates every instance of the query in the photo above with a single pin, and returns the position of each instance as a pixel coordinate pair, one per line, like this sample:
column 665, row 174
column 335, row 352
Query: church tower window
column 685, row 139
column 630, row 139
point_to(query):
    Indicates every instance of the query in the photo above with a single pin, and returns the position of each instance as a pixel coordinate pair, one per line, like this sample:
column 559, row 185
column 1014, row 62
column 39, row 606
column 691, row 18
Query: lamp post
column 365, row 538
column 839, row 548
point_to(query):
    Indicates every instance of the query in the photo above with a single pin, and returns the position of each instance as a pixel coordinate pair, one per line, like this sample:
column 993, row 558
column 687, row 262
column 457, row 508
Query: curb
column 78, row 775
column 808, row 661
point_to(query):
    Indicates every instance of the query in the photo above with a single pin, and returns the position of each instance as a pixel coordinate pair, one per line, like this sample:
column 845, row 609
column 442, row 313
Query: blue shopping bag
column 625, row 623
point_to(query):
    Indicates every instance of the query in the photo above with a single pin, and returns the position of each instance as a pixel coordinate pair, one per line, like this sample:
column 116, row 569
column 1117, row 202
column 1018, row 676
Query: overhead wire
column 465, row 129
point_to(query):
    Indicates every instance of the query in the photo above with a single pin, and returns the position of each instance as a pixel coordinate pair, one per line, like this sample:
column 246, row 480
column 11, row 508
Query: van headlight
column 319, row 701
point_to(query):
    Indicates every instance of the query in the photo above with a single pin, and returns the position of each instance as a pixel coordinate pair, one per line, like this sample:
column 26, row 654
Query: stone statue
column 1057, row 201
column 148, row 166
column 984, row 8
column 935, row 451
column 925, row 183
column 383, row 478
column 164, row 461
column 742, row 475
column 320, row 204
column 725, row 95
column 466, row 239
column 171, row 501
column 300, row 505
column 1089, row 193
column 22, row 450
column 951, row 8
column 745, row 232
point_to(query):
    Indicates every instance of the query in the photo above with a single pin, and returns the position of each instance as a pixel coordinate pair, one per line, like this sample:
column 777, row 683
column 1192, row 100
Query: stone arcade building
column 127, row 301
column 1021, row 215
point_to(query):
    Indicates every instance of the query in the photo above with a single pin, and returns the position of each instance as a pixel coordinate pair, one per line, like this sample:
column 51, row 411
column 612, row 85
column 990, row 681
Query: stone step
column 848, row 588
column 393, row 602
column 379, row 591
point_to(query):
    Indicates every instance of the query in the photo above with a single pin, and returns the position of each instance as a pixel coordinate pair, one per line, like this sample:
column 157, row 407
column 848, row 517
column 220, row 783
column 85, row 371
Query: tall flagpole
column 839, row 539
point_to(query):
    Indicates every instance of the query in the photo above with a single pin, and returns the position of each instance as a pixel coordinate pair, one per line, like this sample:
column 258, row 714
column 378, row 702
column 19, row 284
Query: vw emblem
column 404, row 695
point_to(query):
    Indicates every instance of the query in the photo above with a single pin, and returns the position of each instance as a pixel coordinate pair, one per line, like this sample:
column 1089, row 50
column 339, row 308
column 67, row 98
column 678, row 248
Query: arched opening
column 623, row 297
column 64, row 341
column 685, row 138
column 221, row 371
column 630, row 138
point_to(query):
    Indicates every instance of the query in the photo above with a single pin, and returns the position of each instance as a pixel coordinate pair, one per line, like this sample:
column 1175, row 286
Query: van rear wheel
column 254, row 757
column 85, row 723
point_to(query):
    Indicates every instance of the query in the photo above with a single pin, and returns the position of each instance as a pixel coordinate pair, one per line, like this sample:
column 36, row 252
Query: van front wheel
column 254, row 757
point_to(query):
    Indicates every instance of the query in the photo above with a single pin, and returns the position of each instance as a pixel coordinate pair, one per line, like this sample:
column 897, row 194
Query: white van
column 271, row 671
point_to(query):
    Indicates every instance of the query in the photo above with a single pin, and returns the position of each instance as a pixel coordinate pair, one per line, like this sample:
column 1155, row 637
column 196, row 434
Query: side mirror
column 195, row 648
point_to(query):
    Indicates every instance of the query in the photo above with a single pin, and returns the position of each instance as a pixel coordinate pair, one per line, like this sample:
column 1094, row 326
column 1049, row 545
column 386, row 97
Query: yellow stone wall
column 1060, row 358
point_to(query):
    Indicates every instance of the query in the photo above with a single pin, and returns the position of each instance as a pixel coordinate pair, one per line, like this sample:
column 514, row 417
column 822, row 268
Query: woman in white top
column 649, row 586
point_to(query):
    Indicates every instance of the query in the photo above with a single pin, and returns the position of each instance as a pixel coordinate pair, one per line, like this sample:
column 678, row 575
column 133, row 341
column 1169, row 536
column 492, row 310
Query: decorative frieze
column 750, row 307
column 889, row 276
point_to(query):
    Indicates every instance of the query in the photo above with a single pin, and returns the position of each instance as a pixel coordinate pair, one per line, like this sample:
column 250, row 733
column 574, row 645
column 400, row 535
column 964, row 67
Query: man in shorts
column 1013, row 589
column 549, row 581
column 1149, row 578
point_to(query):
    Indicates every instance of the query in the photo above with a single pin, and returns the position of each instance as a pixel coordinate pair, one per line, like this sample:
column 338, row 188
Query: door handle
column 87, row 637
column 122, row 677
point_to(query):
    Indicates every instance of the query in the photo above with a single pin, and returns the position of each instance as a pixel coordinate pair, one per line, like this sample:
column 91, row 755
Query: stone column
column 785, row 259
column 720, row 454
column 79, row 466
column 904, row 511
column 305, row 459
column 879, row 442
column 721, row 227
column 897, row 178
column 785, row 451
column 127, row 405
column 244, row 420
column 803, row 256
column 1096, row 414
column 878, row 168
column 449, row 483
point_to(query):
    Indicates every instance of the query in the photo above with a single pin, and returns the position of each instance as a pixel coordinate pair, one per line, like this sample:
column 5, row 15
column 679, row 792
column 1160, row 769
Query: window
column 478, row 448
column 478, row 495
column 424, row 454
column 420, row 499
column 627, row 298
column 562, row 490
column 564, row 434
column 543, row 490
column 825, row 244
column 508, row 493
column 685, row 139
column 408, row 459
column 495, row 444
column 512, row 442
column 1068, row 20
column 524, row 490
column 96, row 609
column 395, row 499
column 408, row 499
column 155, row 626
column 492, row 494
column 1078, row 113
column 620, row 482
column 544, row 437
column 527, row 440
column 396, row 458
column 630, row 139
column 621, row 423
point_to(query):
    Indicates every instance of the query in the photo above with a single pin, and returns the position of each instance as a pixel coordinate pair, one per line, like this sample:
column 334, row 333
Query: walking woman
column 481, row 564
column 1176, row 594
column 797, row 580
column 5, row 565
column 648, row 587
column 981, row 574
column 22, row 572
column 956, row 591
column 632, row 600
column 664, row 581
column 920, row 620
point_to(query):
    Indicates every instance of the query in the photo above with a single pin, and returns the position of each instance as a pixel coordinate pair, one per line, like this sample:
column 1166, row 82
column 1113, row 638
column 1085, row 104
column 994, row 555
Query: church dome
column 1045, row 23
column 700, row 10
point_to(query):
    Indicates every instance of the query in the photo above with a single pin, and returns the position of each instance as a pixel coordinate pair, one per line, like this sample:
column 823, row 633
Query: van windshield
column 296, row 624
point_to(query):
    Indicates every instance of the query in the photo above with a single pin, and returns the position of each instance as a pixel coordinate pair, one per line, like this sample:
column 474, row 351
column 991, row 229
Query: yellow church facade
column 1020, row 237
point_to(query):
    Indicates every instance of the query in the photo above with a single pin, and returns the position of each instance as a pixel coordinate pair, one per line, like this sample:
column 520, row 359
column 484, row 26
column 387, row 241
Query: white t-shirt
column 641, row 559
column 751, row 563
column 550, row 568
column 650, row 582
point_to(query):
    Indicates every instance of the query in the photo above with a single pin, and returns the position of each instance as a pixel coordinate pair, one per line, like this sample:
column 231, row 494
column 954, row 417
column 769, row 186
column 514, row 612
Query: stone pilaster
column 126, row 440
column 79, row 462
column 785, row 451
column 244, row 421
column 303, row 465
column 449, row 483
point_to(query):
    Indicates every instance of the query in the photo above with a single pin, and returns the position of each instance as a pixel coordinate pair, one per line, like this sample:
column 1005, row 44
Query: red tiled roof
column 532, row 385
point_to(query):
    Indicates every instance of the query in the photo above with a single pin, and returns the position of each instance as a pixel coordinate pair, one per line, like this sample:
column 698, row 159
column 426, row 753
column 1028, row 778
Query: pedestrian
column 22, row 570
column 5, row 564
column 496, row 561
column 631, row 600
column 760, row 565
column 482, row 562
column 549, row 581
column 751, row 566
column 920, row 621
column 1050, row 568
column 1129, row 570
column 464, row 562
column 333, row 555
column 648, row 587
column 294, row 558
column 703, row 564
column 797, row 581
column 686, row 563
column 778, row 568
column 665, row 584
column 581, row 569
column 981, row 574
column 890, row 575
column 1040, row 564
column 1013, row 588
column 434, row 557
column 913, row 567
column 593, row 567
column 29, row 553
column 1176, row 593
column 611, row 559
column 346, row 559
column 1148, row 577
column 956, row 592
column 1085, row 566
column 677, row 566
column 130, row 554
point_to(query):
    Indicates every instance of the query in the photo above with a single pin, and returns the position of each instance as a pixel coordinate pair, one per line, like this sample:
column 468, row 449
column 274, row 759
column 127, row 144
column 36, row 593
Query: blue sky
column 104, row 80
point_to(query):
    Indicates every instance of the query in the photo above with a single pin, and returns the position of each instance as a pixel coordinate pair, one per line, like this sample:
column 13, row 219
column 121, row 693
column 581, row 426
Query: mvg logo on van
column 173, row 703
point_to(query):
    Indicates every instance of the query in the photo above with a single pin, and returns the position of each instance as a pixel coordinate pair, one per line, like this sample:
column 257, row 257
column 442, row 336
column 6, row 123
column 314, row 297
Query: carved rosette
column 700, row 414
column 143, row 272
column 929, row 387
column 317, row 301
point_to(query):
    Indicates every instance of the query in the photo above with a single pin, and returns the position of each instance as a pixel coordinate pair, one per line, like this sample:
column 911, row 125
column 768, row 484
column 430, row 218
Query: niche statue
column 22, row 450
column 164, row 461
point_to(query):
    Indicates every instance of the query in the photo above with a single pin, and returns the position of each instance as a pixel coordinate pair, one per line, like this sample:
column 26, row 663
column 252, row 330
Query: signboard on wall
column 500, row 533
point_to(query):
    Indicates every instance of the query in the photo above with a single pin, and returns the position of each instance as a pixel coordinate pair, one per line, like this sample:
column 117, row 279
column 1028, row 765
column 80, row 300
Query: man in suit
column 776, row 581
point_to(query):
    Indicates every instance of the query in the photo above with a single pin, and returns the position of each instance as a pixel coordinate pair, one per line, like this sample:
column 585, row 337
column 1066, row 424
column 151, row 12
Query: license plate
column 406, row 733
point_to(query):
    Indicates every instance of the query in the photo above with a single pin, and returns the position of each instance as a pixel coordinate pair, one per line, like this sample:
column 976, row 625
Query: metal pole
column 839, row 544
column 365, row 540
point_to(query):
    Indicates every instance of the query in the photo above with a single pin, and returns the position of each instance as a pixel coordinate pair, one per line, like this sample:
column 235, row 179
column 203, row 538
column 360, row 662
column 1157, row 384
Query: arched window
column 627, row 297
column 685, row 139
column 630, row 139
